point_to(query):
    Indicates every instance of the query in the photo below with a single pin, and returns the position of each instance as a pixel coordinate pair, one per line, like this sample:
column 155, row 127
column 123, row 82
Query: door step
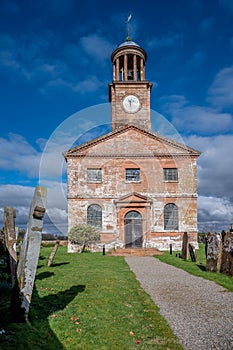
column 135, row 252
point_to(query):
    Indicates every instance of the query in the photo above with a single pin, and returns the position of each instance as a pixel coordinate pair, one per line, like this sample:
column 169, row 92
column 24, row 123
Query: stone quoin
column 137, row 187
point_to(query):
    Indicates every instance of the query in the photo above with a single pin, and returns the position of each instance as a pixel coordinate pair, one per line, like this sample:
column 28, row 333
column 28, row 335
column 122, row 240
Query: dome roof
column 128, row 43
column 128, row 46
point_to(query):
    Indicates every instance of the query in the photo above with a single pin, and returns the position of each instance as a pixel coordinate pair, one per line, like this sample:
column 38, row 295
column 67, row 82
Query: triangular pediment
column 133, row 197
column 131, row 141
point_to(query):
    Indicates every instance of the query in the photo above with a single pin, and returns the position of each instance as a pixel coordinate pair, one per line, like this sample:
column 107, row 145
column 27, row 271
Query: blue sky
column 55, row 65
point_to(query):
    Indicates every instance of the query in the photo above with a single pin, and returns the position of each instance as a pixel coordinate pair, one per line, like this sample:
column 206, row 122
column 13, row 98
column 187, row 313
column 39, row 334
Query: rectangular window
column 94, row 175
column 170, row 174
column 132, row 174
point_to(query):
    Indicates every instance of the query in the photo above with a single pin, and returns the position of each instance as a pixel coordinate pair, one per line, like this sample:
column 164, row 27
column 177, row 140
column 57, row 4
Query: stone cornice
column 117, row 155
column 165, row 195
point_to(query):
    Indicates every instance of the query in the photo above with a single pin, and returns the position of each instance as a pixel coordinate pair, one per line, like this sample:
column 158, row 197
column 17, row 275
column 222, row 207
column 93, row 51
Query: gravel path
column 199, row 311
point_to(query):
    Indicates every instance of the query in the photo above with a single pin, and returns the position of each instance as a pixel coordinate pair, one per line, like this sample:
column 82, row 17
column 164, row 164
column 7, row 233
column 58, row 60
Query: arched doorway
column 133, row 229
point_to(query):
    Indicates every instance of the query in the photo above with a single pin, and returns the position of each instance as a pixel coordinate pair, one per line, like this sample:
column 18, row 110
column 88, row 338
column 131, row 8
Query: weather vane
column 128, row 26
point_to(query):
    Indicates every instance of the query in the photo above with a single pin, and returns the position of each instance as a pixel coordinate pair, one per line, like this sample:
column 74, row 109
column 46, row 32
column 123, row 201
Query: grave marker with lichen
column 29, row 256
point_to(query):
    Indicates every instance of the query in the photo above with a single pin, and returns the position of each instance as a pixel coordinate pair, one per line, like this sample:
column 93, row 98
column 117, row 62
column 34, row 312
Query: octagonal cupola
column 128, row 62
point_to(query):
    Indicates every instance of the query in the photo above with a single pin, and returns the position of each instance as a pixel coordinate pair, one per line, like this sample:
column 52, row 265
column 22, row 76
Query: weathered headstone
column 206, row 243
column 192, row 253
column 30, row 253
column 185, row 243
column 52, row 255
column 10, row 240
column 227, row 253
column 214, row 252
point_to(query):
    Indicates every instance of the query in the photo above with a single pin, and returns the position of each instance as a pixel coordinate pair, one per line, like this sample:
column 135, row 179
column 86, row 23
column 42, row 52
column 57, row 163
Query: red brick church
column 137, row 187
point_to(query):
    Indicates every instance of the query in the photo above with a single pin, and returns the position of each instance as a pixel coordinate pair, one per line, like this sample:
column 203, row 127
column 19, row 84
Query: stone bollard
column 227, row 253
column 214, row 252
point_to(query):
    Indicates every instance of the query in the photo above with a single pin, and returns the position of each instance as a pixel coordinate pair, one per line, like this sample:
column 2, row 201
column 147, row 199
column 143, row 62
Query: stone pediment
column 133, row 199
column 131, row 141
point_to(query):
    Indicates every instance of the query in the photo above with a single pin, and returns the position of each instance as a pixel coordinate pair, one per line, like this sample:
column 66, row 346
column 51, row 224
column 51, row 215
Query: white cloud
column 15, row 195
column 31, row 59
column 220, row 93
column 88, row 85
column 192, row 119
column 214, row 165
column 215, row 186
column 34, row 59
column 214, row 213
column 20, row 197
column 17, row 154
column 96, row 47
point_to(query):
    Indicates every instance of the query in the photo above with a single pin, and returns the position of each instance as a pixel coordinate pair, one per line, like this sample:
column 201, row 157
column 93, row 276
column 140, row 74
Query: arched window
column 94, row 215
column 171, row 217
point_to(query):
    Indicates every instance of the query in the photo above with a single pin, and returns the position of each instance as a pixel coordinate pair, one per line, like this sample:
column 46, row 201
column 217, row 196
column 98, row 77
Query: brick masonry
column 131, row 148
column 132, row 144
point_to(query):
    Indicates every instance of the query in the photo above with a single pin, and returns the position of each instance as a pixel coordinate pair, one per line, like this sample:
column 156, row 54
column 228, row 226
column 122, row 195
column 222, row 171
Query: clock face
column 131, row 104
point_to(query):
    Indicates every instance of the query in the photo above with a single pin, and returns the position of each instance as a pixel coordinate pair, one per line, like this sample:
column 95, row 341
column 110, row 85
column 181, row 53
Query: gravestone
column 214, row 252
column 29, row 255
column 185, row 243
column 10, row 240
column 227, row 253
column 192, row 253
column 52, row 255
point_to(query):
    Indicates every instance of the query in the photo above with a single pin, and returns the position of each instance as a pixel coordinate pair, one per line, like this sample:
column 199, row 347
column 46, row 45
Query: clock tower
column 129, row 92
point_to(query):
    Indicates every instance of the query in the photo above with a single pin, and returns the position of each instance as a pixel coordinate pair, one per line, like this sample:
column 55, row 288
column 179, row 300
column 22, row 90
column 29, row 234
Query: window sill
column 94, row 182
column 171, row 230
column 173, row 181
column 132, row 181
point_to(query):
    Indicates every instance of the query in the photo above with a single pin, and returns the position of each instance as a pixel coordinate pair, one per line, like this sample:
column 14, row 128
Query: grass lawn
column 89, row 301
column 198, row 268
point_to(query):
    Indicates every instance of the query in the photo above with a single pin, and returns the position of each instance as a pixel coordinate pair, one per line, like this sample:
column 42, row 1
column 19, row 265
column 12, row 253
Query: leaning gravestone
column 29, row 254
column 52, row 255
column 192, row 253
column 227, row 253
column 214, row 252
column 10, row 240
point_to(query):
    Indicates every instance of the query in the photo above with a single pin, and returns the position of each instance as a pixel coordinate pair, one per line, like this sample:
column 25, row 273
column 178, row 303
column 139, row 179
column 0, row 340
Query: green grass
column 89, row 301
column 197, row 268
